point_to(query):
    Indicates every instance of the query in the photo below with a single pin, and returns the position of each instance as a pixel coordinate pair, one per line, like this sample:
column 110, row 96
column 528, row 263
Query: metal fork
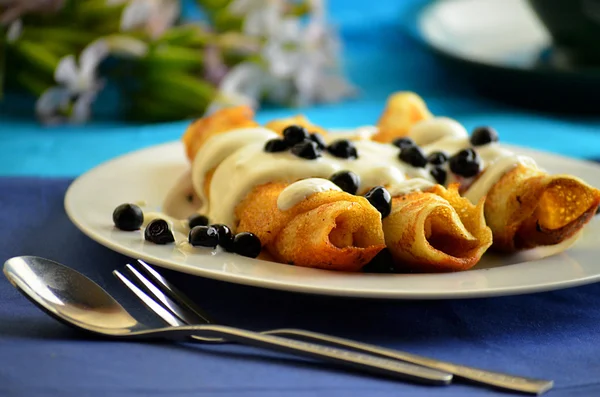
column 187, row 312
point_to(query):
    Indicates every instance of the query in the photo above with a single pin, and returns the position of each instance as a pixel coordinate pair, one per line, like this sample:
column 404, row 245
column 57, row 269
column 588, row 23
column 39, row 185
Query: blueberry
column 247, row 244
column 276, row 145
column 483, row 136
column 307, row 150
column 348, row 181
column 414, row 156
column 439, row 174
column 158, row 232
column 343, row 148
column 318, row 139
column 225, row 237
column 294, row 134
column 403, row 142
column 128, row 217
column 465, row 163
column 437, row 158
column 197, row 220
column 204, row 236
column 381, row 263
column 381, row 199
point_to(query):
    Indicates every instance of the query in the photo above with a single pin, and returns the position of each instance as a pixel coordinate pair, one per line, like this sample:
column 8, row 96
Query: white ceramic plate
column 503, row 33
column 502, row 47
column 148, row 175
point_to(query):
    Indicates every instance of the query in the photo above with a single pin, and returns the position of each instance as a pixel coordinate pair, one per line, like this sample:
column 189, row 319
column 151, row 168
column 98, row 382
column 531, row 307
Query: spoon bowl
column 67, row 295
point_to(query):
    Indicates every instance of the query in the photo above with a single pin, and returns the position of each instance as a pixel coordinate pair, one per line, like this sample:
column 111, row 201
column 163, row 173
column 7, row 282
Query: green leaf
column 167, row 56
column 69, row 36
column 181, row 88
column 185, row 35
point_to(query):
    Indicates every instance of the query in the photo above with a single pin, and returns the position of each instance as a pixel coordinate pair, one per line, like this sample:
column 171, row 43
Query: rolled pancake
column 402, row 111
column 527, row 208
column 328, row 230
column 436, row 231
column 222, row 120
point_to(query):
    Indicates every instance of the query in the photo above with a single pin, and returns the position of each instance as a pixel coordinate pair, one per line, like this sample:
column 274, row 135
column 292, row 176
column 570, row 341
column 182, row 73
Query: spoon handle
column 496, row 379
column 365, row 362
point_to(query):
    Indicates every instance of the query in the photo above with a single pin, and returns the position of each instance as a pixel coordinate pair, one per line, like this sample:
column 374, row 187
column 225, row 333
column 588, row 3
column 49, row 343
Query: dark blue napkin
column 550, row 335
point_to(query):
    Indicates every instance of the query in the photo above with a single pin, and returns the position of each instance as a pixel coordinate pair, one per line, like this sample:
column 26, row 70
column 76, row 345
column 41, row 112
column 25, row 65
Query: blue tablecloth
column 551, row 335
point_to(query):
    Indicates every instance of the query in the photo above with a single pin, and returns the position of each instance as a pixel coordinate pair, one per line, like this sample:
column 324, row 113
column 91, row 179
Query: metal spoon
column 74, row 299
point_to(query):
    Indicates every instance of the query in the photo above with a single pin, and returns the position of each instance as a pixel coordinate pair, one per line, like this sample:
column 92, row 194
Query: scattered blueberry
column 439, row 174
column 381, row 263
column 307, row 150
column 204, row 236
column 403, row 142
column 465, row 163
column 276, row 145
column 437, row 158
column 197, row 220
column 348, row 181
column 414, row 156
column 158, row 232
column 483, row 136
column 318, row 139
column 381, row 199
column 128, row 217
column 225, row 237
column 294, row 134
column 247, row 244
column 343, row 148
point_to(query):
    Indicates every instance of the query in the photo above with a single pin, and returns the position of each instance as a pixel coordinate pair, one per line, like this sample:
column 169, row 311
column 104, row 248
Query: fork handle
column 496, row 379
column 352, row 359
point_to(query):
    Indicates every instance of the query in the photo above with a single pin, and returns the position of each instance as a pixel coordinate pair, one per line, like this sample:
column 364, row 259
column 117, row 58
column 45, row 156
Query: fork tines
column 154, row 290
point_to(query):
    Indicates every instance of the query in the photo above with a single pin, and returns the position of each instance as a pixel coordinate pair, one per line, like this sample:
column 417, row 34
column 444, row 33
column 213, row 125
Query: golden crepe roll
column 529, row 208
column 330, row 230
column 525, row 207
column 402, row 111
column 436, row 231
column 220, row 121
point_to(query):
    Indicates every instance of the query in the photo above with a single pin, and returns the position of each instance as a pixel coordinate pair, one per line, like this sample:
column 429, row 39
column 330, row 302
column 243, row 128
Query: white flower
column 152, row 16
column 57, row 105
column 261, row 17
column 300, row 62
column 242, row 85
column 282, row 49
column 14, row 31
column 11, row 10
column 77, row 87
column 80, row 78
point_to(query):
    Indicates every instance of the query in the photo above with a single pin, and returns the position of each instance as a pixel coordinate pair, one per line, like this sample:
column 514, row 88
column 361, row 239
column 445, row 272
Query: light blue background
column 382, row 54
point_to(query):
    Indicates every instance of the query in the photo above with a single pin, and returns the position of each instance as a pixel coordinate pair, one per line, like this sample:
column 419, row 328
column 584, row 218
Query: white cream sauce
column 217, row 148
column 298, row 191
column 251, row 166
column 241, row 164
column 409, row 186
column 431, row 130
